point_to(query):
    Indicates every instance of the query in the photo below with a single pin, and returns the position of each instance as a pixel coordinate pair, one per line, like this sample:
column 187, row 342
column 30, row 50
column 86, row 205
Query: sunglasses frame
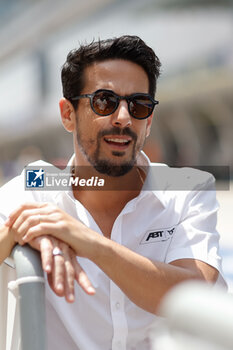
column 128, row 98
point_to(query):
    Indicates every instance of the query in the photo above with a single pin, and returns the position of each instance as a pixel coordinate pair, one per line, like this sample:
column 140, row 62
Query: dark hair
column 126, row 47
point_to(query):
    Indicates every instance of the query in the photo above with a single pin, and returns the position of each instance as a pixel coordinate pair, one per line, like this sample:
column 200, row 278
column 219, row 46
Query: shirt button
column 118, row 305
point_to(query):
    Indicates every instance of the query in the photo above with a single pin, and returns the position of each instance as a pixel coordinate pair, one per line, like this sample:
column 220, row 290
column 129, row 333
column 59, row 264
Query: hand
column 63, row 270
column 38, row 219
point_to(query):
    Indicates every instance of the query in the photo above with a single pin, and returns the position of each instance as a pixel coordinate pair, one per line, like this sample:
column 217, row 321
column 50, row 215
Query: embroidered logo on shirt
column 158, row 235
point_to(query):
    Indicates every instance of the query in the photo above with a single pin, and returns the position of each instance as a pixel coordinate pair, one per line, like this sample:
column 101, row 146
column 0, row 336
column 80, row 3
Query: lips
column 121, row 142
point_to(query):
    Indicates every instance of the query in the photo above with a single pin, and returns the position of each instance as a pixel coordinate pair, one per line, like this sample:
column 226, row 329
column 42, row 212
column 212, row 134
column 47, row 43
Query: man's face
column 111, row 143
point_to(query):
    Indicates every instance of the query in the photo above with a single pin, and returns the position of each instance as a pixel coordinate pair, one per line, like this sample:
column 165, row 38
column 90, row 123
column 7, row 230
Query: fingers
column 27, row 216
column 35, row 219
column 58, row 273
column 35, row 223
column 81, row 277
column 59, row 270
column 20, row 227
column 62, row 270
column 65, row 271
column 45, row 246
column 63, row 274
column 14, row 215
column 35, row 228
column 69, row 273
column 57, row 277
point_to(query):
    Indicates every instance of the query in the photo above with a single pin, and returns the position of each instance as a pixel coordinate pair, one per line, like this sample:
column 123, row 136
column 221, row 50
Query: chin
column 114, row 170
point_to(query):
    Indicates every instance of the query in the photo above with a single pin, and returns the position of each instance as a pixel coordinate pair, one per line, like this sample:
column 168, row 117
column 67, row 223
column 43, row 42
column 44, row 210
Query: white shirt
column 167, row 223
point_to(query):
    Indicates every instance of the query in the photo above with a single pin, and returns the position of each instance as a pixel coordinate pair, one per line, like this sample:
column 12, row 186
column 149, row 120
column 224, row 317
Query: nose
column 121, row 117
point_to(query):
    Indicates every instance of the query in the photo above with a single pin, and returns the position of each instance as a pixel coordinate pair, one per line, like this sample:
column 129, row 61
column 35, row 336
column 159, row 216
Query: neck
column 115, row 192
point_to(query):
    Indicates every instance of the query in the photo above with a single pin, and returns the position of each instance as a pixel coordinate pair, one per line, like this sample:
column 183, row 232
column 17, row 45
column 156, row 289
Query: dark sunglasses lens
column 141, row 106
column 104, row 102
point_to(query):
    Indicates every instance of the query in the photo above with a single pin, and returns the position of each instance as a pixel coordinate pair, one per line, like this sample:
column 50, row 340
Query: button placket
column 120, row 326
column 119, row 321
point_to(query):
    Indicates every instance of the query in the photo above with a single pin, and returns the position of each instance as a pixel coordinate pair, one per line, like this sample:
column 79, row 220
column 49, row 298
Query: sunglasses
column 105, row 102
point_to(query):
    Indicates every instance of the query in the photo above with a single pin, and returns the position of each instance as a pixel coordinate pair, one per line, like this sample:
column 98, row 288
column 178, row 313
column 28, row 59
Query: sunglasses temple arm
column 81, row 96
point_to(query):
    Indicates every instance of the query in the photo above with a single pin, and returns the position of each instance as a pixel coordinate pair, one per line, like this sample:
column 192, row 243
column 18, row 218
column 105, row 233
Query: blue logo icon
column 35, row 178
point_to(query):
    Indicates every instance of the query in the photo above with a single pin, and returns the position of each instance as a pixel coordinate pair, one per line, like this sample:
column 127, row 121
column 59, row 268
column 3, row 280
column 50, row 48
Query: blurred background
column 194, row 41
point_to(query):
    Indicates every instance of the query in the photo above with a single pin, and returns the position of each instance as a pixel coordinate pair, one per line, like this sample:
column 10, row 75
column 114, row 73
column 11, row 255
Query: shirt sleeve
column 2, row 219
column 12, row 195
column 195, row 236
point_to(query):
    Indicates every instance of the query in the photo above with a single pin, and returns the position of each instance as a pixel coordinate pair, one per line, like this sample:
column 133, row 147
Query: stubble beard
column 106, row 166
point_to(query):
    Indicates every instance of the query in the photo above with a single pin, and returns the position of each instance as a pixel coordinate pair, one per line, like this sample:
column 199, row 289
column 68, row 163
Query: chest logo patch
column 153, row 236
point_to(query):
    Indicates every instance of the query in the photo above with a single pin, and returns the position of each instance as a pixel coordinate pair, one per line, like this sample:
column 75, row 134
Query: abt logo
column 158, row 235
column 34, row 178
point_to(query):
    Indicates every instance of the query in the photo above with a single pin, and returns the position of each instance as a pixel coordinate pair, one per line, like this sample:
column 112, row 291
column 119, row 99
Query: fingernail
column 48, row 268
column 71, row 297
column 60, row 287
column 91, row 290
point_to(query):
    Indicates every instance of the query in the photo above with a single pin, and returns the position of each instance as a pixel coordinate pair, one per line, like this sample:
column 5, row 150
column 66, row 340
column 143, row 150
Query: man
column 133, row 242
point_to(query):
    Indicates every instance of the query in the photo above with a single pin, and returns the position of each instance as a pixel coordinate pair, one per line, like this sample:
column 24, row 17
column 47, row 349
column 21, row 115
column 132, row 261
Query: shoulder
column 177, row 187
column 181, row 179
column 13, row 193
column 18, row 182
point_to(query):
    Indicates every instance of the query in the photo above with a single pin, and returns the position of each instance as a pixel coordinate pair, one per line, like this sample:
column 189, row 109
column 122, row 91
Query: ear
column 67, row 114
column 148, row 125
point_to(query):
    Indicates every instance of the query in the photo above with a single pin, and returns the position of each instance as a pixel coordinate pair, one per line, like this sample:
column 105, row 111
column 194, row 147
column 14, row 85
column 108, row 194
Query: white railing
column 196, row 316
column 23, row 318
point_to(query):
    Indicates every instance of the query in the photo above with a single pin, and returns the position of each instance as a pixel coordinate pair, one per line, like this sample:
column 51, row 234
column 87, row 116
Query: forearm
column 143, row 281
column 6, row 242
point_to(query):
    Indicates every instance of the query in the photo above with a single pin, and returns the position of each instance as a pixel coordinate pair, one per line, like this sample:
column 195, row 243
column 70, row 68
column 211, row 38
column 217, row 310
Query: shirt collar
column 151, row 184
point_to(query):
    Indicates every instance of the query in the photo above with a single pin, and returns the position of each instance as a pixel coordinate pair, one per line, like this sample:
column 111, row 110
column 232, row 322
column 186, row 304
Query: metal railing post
column 196, row 316
column 31, row 291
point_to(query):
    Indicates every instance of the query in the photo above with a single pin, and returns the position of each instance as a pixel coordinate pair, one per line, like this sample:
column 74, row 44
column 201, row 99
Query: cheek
column 141, row 139
column 86, row 132
column 142, row 132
